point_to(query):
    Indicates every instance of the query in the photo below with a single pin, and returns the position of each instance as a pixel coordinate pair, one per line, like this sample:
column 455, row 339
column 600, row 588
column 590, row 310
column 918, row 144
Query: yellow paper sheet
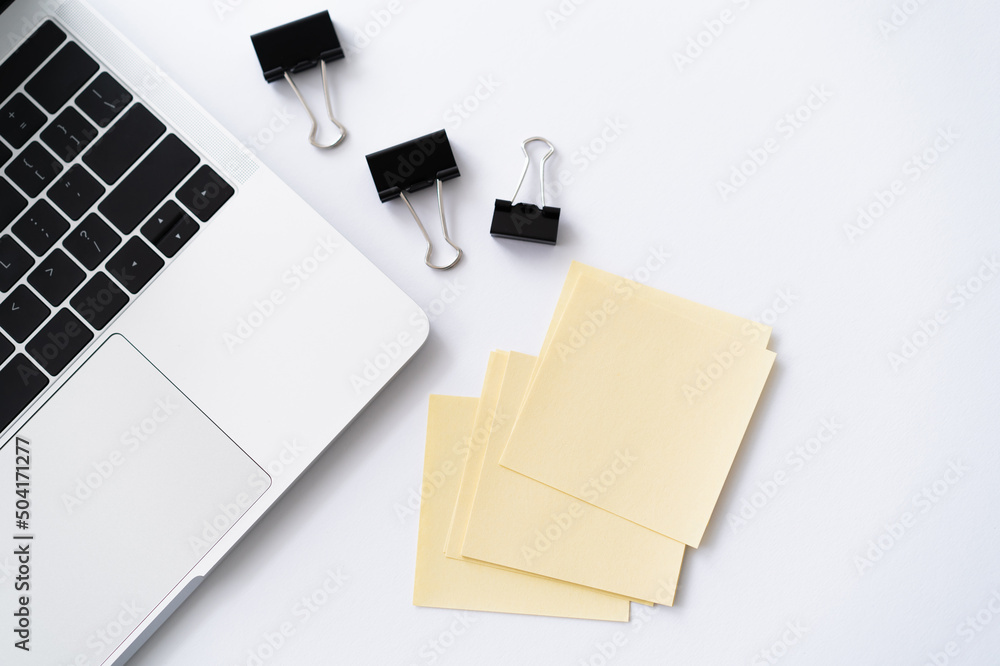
column 486, row 416
column 446, row 583
column 750, row 333
column 628, row 384
column 488, row 422
column 525, row 525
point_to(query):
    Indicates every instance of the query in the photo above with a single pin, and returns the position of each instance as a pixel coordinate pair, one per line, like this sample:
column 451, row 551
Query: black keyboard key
column 134, row 265
column 205, row 193
column 103, row 99
column 76, row 192
column 177, row 236
column 61, row 77
column 11, row 203
column 19, row 120
column 161, row 222
column 124, row 143
column 21, row 313
column 6, row 348
column 40, row 227
column 92, row 241
column 148, row 184
column 14, row 262
column 59, row 342
column 56, row 278
column 5, row 154
column 69, row 134
column 99, row 301
column 20, row 383
column 33, row 169
column 28, row 56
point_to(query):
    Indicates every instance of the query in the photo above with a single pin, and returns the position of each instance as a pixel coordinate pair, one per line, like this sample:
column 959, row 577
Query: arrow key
column 179, row 234
column 134, row 265
column 56, row 277
column 205, row 193
column 161, row 221
column 21, row 313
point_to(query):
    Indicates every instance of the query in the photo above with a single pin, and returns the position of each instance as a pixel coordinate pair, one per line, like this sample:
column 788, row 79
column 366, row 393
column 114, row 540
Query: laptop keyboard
column 96, row 197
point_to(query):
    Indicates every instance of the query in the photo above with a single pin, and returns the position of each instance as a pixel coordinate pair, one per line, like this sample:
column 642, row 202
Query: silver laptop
column 180, row 337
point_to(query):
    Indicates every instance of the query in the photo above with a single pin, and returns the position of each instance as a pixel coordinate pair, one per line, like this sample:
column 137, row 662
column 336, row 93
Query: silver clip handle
column 527, row 163
column 329, row 110
column 444, row 230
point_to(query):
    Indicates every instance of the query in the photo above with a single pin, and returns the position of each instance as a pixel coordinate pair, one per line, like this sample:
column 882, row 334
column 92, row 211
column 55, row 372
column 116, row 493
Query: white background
column 683, row 128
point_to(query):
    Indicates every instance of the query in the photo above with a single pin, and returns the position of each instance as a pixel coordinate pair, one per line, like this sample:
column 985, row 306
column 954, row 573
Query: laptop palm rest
column 128, row 486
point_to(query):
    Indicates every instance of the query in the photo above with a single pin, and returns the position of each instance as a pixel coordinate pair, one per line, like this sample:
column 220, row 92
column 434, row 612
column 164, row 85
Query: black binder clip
column 298, row 46
column 412, row 166
column 525, row 221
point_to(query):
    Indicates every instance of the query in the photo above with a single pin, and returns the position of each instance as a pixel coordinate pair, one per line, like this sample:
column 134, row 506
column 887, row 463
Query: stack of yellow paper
column 574, row 482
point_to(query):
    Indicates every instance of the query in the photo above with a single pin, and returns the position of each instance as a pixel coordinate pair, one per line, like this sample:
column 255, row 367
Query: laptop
column 180, row 337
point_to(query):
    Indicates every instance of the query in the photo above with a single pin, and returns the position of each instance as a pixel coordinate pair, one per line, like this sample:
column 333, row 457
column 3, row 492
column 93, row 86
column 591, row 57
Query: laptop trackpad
column 130, row 485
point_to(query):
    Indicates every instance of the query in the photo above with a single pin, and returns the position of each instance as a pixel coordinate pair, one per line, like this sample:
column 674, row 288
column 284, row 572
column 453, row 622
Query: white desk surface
column 659, row 136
